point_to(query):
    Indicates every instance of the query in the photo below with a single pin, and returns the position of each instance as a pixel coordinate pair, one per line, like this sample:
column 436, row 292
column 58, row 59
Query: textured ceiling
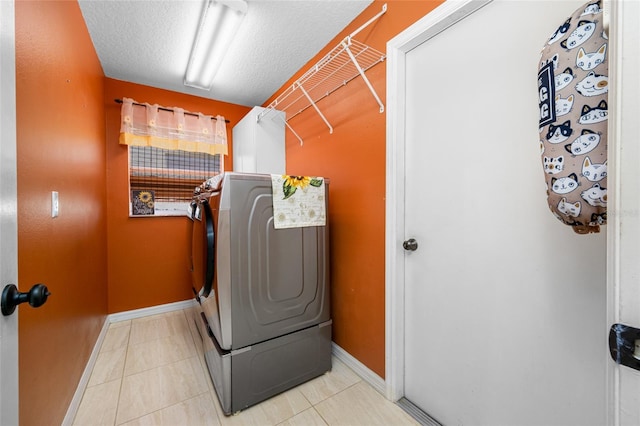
column 148, row 42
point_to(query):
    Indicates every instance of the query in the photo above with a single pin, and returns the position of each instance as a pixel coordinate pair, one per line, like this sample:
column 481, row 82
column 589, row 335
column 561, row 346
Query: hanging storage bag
column 573, row 87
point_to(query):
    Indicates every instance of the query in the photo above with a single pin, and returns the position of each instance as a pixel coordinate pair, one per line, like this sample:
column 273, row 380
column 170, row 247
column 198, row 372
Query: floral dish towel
column 298, row 201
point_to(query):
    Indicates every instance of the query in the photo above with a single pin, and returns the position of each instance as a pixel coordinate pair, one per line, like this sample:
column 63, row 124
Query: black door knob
column 11, row 297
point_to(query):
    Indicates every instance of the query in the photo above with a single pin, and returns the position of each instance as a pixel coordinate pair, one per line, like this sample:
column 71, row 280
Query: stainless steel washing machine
column 263, row 293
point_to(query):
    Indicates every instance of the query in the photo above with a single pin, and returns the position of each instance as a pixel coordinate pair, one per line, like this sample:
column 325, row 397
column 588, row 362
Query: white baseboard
column 84, row 379
column 117, row 317
column 152, row 310
column 360, row 369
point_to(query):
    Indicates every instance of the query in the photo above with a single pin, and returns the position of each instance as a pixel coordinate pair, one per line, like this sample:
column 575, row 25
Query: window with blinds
column 162, row 181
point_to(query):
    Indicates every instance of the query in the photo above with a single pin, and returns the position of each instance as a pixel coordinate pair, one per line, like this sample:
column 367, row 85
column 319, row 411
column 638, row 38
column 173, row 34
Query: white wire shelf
column 348, row 60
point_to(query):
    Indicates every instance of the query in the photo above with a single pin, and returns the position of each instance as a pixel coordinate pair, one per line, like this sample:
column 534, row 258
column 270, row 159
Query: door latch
column 624, row 345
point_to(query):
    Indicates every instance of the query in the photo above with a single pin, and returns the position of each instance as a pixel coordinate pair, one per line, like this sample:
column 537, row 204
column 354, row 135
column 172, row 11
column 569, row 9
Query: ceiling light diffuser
column 219, row 24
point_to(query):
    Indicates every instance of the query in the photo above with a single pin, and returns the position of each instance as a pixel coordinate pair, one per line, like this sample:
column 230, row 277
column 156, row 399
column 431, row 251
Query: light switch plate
column 55, row 207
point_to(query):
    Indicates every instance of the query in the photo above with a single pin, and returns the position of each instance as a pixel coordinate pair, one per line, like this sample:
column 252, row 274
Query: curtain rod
column 119, row 101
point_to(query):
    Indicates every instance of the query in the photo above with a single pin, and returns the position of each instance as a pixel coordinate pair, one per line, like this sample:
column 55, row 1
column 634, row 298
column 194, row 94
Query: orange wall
column 353, row 157
column 60, row 146
column 148, row 257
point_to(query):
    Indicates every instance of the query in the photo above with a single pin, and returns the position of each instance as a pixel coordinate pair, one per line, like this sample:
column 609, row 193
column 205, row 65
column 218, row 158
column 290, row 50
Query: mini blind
column 172, row 175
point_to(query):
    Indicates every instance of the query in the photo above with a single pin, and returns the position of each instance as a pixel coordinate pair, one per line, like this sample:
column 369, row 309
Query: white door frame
column 623, row 284
column 8, row 214
column 444, row 16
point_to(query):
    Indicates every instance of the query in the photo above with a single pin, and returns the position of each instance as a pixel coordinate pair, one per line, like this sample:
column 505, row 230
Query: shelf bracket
column 293, row 131
column 366, row 24
column 313, row 104
column 346, row 44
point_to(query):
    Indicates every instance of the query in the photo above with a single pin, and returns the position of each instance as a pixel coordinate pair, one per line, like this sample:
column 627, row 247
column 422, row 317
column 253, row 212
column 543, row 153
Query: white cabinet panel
column 258, row 147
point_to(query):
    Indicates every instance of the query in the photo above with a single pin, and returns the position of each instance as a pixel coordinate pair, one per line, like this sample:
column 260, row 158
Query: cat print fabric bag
column 573, row 88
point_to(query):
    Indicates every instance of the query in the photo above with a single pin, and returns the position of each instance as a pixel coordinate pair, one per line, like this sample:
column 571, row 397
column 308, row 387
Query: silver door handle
column 410, row 245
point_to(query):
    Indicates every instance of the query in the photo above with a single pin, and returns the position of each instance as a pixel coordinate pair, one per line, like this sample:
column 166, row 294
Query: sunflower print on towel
column 292, row 183
column 298, row 201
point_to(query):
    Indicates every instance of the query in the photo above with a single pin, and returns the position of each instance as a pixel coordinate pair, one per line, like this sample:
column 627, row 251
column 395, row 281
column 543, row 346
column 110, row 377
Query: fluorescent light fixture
column 218, row 26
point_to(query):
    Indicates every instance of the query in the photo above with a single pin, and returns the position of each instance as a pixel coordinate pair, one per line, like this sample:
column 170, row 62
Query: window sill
column 163, row 209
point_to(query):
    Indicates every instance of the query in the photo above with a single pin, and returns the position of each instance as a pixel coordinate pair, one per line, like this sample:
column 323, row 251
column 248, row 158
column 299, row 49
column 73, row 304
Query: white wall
column 529, row 307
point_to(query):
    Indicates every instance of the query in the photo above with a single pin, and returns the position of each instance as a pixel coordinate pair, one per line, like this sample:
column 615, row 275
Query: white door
column 8, row 219
column 624, row 205
column 501, row 308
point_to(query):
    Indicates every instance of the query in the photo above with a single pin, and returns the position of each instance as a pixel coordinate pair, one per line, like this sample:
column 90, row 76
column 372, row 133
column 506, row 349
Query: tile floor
column 151, row 371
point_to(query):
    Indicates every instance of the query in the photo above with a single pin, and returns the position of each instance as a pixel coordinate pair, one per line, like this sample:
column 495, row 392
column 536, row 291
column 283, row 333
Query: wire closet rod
column 119, row 101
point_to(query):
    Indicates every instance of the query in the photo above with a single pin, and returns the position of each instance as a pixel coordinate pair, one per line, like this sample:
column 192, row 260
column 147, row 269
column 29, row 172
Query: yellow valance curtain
column 152, row 125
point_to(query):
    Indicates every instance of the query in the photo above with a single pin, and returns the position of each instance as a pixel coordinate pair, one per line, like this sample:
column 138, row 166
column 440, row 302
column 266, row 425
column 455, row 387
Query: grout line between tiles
column 126, row 354
column 212, row 395
column 196, row 355
column 193, row 340
column 168, row 406
column 326, row 399
column 326, row 422
column 188, row 338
